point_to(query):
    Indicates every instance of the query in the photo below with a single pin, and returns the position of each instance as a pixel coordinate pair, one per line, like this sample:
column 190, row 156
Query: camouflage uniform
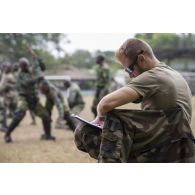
column 26, row 86
column 10, row 94
column 160, row 132
column 8, row 97
column 39, row 72
column 139, row 136
column 102, row 86
column 75, row 99
column 55, row 97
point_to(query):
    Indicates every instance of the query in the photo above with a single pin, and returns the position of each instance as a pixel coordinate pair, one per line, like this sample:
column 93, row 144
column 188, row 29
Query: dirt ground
column 27, row 146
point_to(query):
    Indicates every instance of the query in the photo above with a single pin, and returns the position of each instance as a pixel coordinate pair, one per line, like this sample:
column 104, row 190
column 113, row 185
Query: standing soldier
column 55, row 97
column 39, row 72
column 28, row 99
column 74, row 98
column 15, row 72
column 102, row 83
column 10, row 94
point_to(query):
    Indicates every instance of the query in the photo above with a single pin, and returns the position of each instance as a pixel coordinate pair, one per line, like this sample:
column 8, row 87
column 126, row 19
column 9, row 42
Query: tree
column 169, row 40
column 160, row 40
column 13, row 45
column 81, row 59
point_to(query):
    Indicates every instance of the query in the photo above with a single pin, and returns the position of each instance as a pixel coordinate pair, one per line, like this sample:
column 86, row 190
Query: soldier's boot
column 7, row 138
column 47, row 129
column 18, row 116
column 70, row 121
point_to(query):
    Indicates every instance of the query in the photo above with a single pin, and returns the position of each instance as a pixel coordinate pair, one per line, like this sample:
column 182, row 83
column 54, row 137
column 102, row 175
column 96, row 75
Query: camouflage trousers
column 33, row 104
column 139, row 136
column 61, row 121
column 7, row 107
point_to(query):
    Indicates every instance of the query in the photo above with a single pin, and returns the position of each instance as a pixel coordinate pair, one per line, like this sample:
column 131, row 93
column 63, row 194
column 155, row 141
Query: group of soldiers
column 20, row 86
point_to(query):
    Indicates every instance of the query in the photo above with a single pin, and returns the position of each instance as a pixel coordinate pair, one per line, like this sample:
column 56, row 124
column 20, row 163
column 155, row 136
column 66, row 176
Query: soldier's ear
column 141, row 58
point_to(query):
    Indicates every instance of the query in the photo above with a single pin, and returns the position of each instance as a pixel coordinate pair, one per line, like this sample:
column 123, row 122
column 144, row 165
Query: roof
column 75, row 74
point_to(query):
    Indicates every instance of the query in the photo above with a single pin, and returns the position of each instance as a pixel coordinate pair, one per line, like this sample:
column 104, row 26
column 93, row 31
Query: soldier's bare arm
column 115, row 99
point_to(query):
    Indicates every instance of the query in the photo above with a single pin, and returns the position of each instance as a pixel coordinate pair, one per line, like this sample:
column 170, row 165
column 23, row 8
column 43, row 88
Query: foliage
column 85, row 59
column 80, row 58
column 168, row 40
column 14, row 45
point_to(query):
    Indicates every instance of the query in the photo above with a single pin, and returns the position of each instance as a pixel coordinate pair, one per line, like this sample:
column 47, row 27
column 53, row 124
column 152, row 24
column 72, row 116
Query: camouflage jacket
column 26, row 82
column 103, row 77
column 74, row 95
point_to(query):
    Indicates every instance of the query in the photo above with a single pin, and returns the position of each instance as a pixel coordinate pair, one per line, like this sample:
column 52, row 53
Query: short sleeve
column 146, row 84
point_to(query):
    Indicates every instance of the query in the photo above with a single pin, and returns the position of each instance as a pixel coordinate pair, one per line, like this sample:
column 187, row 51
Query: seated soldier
column 160, row 132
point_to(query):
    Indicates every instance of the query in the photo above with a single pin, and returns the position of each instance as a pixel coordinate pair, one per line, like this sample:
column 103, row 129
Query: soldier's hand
column 99, row 121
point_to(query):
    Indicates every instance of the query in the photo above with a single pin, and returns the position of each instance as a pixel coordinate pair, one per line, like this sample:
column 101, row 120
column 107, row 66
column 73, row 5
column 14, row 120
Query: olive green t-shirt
column 162, row 88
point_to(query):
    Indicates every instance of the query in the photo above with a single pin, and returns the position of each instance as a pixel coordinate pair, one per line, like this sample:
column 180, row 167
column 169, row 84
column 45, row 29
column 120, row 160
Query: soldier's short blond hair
column 132, row 47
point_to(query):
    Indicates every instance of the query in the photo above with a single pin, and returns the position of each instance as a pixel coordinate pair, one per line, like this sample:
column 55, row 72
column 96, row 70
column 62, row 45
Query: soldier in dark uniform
column 26, row 84
column 102, row 82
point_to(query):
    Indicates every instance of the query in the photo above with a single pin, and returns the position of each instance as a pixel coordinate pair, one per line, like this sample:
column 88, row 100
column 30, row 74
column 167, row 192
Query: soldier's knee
column 87, row 139
column 43, row 114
